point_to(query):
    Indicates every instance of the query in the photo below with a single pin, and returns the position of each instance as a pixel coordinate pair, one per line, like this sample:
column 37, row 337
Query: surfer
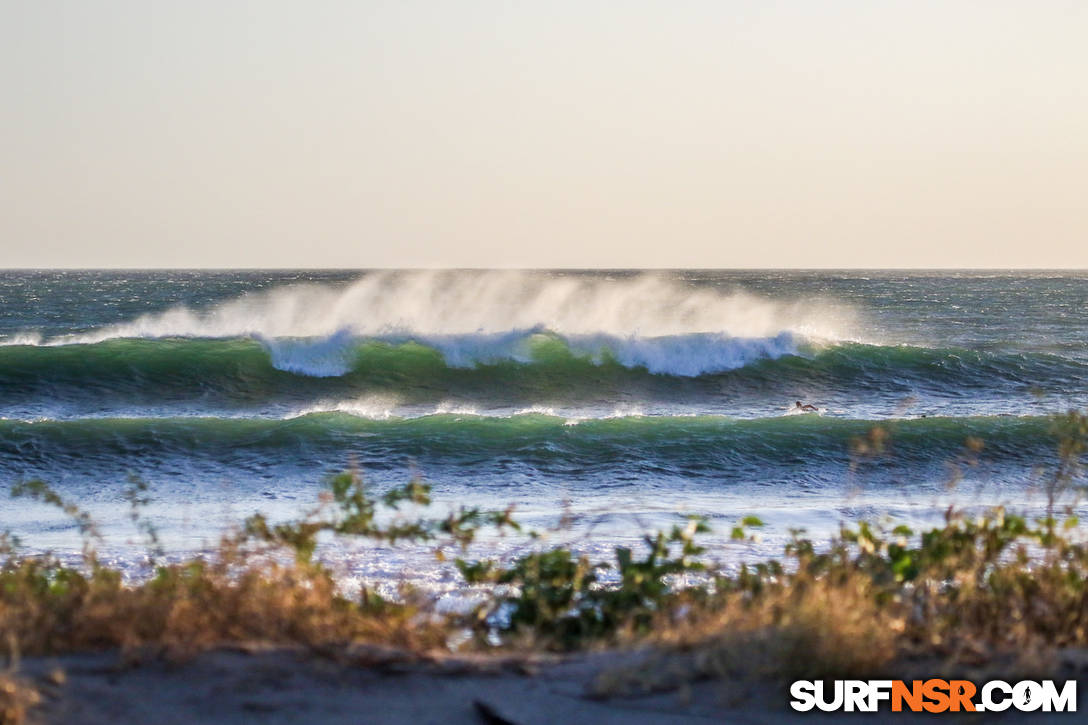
column 805, row 408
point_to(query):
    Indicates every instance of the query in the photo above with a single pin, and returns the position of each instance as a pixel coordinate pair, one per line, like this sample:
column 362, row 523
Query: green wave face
column 628, row 397
column 536, row 366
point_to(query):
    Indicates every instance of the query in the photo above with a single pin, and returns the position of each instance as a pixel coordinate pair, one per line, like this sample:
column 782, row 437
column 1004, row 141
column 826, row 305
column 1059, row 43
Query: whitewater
column 626, row 397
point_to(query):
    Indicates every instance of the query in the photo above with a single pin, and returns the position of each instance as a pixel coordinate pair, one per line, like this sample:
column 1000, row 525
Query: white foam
column 536, row 410
column 371, row 407
column 467, row 350
column 687, row 355
column 448, row 408
column 22, row 338
column 627, row 411
column 436, row 303
column 320, row 358
column 481, row 317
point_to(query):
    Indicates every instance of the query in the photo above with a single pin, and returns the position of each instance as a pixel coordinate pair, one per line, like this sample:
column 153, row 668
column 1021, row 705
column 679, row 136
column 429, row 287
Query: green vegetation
column 992, row 588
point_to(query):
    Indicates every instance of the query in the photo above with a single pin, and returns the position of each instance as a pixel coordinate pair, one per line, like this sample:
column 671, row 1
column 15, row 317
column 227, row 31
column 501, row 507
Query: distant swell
column 697, row 445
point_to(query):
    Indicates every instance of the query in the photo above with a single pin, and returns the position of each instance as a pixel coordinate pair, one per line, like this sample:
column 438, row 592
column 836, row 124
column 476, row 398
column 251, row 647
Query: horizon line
column 537, row 269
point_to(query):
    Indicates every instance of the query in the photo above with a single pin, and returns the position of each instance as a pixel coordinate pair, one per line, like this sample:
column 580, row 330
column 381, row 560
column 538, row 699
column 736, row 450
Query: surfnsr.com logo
column 933, row 696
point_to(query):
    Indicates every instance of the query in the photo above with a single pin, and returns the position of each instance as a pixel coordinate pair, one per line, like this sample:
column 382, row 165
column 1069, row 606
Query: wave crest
column 690, row 355
column 432, row 304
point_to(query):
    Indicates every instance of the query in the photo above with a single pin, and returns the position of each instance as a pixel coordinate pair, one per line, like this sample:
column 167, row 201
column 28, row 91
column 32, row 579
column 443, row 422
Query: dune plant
column 977, row 588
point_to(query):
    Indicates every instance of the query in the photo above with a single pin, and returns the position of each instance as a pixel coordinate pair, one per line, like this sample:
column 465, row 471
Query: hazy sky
column 717, row 133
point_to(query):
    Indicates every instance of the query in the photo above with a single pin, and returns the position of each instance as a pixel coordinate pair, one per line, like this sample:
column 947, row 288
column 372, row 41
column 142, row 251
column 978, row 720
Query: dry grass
column 978, row 601
column 997, row 590
column 244, row 593
column 17, row 699
column 816, row 628
column 189, row 607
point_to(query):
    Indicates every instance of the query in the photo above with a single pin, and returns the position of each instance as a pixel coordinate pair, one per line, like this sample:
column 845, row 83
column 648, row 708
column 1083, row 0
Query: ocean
column 615, row 401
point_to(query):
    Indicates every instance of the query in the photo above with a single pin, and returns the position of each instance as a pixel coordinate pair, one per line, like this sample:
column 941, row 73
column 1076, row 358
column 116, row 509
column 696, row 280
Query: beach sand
column 232, row 686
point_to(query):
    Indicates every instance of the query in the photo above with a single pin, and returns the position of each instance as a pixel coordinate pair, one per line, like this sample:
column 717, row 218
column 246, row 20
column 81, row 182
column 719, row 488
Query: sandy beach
column 238, row 685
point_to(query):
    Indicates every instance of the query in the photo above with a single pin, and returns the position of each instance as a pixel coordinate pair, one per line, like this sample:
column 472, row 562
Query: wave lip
column 519, row 368
column 482, row 318
column 329, row 357
column 689, row 355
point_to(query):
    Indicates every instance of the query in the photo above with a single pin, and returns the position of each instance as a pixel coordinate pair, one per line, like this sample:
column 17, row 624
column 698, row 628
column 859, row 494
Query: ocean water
column 617, row 399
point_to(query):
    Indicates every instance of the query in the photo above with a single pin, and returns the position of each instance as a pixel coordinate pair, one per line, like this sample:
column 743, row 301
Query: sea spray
column 624, row 395
column 437, row 303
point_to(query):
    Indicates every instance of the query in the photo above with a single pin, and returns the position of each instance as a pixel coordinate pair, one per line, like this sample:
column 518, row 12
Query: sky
column 679, row 133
